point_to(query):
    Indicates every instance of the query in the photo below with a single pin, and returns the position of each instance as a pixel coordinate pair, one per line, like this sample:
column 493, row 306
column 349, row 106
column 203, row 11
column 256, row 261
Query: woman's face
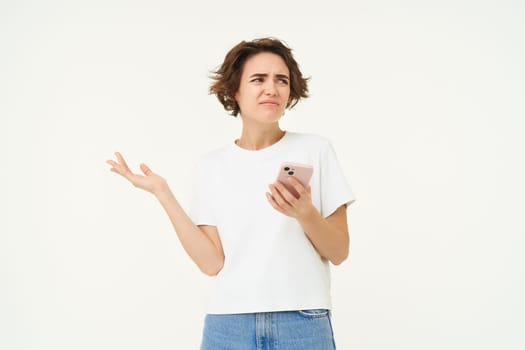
column 264, row 88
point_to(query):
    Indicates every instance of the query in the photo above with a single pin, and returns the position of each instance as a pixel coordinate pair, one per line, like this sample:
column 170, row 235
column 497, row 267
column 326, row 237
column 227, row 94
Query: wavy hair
column 227, row 78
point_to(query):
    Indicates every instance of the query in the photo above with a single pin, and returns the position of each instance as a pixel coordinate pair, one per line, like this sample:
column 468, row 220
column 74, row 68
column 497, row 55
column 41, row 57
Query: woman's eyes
column 260, row 80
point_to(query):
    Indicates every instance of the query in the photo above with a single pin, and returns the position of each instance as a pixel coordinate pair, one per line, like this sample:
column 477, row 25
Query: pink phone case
column 302, row 172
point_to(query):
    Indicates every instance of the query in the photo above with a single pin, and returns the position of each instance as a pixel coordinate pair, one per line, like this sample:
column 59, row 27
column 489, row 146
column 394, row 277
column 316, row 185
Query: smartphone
column 302, row 172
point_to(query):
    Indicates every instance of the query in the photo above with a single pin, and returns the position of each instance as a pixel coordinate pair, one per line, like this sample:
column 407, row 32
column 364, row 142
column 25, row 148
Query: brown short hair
column 227, row 78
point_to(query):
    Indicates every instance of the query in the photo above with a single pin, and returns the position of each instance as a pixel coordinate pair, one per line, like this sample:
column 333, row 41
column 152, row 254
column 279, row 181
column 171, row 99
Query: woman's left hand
column 285, row 202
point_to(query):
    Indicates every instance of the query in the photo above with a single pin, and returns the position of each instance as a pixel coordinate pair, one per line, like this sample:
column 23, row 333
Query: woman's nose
column 270, row 89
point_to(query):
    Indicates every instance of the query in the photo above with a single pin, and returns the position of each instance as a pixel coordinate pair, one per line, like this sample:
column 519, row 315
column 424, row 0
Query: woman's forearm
column 194, row 241
column 330, row 241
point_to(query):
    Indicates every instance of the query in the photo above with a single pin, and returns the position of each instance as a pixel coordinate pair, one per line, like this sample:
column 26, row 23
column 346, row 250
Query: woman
column 268, row 249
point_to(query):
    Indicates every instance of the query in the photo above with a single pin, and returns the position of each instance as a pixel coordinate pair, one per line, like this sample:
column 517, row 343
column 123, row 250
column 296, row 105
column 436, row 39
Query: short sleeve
column 202, row 204
column 335, row 190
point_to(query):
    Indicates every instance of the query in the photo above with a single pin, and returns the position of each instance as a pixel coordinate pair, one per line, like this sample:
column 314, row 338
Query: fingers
column 121, row 160
column 282, row 198
column 114, row 165
column 298, row 186
column 281, row 195
column 274, row 204
column 286, row 192
column 120, row 166
column 145, row 169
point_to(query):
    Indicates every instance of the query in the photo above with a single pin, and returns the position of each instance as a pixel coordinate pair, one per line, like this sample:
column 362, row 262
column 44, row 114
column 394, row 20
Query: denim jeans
column 283, row 330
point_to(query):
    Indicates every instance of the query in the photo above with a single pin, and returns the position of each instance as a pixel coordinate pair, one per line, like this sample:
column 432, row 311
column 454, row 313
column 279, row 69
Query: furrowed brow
column 264, row 75
column 259, row 75
column 282, row 76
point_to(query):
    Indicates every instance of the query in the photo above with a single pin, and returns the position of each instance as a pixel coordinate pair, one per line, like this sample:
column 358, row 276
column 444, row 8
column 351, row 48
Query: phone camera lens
column 286, row 168
column 290, row 173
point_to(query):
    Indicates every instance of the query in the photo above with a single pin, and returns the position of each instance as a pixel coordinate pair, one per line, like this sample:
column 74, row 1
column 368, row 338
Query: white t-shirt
column 270, row 265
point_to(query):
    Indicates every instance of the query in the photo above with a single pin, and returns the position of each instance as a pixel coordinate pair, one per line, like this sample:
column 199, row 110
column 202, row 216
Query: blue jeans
column 283, row 330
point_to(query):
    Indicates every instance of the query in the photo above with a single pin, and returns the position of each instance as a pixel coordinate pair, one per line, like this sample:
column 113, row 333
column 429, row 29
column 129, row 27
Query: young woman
column 268, row 248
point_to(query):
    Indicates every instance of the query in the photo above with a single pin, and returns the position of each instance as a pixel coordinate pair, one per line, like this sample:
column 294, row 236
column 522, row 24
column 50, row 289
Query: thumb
column 145, row 169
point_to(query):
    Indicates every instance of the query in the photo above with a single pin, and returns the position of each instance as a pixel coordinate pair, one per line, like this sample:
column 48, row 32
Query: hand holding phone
column 301, row 172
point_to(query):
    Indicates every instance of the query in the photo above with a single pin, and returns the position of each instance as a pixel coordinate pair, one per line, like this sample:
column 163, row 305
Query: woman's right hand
column 150, row 181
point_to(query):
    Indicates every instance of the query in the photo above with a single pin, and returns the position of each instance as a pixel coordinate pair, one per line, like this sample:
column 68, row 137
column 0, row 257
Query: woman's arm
column 329, row 236
column 201, row 243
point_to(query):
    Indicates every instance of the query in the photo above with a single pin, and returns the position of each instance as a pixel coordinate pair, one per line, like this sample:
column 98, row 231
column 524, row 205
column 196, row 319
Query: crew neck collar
column 269, row 149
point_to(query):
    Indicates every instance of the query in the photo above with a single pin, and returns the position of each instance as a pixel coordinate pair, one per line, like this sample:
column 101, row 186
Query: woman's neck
column 257, row 139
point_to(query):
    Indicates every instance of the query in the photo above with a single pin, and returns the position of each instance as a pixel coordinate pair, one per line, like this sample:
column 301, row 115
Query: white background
column 423, row 101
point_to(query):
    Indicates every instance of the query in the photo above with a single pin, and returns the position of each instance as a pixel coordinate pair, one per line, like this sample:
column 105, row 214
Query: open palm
column 150, row 181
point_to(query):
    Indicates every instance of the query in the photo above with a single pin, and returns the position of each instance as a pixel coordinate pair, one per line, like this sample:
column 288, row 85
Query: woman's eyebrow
column 265, row 75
